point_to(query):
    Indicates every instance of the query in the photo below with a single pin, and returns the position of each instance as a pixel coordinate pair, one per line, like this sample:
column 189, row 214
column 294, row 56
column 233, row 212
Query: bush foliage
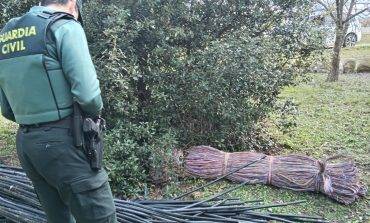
column 188, row 72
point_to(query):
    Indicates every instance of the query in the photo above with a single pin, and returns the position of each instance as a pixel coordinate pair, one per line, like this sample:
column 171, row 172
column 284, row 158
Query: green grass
column 333, row 119
column 360, row 52
column 365, row 40
column 7, row 141
column 357, row 53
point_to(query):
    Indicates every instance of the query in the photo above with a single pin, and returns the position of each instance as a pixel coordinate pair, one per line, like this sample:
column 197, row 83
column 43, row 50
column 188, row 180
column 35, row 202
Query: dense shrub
column 13, row 8
column 206, row 70
column 209, row 70
column 138, row 154
column 187, row 72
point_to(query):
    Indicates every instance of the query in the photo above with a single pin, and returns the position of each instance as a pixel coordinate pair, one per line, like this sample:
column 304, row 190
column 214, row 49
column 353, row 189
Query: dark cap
column 79, row 7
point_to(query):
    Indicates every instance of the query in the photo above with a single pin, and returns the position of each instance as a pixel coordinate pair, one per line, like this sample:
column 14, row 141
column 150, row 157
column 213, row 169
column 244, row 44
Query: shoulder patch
column 13, row 20
column 56, row 25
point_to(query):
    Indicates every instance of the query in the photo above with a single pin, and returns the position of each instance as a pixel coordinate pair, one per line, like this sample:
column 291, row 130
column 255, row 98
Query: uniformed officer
column 44, row 65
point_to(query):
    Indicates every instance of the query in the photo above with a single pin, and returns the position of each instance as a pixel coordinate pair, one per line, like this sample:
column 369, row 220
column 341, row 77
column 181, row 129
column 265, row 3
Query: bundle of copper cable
column 335, row 177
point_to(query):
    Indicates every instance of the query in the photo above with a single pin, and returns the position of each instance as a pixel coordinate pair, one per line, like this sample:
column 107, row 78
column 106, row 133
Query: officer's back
column 45, row 67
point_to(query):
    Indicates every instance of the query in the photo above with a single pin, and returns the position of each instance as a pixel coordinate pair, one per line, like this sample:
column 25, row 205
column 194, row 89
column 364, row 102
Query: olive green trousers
column 68, row 189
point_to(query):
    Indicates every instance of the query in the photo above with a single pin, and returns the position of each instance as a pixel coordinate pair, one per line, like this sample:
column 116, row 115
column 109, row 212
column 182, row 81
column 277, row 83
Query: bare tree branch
column 327, row 8
column 346, row 1
column 356, row 14
column 350, row 9
column 340, row 6
column 345, row 5
column 337, row 5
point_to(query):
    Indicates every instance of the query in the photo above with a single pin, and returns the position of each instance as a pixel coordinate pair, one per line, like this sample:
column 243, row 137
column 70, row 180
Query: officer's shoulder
column 63, row 25
column 11, row 21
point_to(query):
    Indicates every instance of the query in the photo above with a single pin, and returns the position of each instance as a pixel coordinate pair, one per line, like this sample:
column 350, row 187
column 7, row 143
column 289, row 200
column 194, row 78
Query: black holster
column 88, row 135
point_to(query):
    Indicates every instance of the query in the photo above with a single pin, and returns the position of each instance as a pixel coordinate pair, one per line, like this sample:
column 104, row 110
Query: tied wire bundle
column 338, row 180
column 19, row 203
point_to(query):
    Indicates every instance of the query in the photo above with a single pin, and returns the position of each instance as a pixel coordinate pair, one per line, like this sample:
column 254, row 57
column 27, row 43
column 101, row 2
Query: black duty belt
column 63, row 123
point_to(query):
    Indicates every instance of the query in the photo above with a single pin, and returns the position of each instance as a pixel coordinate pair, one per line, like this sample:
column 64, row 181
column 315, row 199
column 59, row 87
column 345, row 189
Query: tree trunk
column 335, row 62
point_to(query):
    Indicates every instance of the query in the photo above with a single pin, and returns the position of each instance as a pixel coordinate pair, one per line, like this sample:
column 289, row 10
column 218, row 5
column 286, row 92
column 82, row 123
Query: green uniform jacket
column 72, row 76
